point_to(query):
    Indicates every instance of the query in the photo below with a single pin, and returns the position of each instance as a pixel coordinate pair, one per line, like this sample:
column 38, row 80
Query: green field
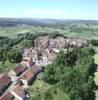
column 6, row 67
column 60, row 95
column 96, row 75
column 38, row 89
column 71, row 30
column 96, row 58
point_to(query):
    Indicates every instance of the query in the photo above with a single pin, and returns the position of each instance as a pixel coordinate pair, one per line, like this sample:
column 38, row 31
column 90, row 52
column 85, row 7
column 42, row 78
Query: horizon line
column 47, row 18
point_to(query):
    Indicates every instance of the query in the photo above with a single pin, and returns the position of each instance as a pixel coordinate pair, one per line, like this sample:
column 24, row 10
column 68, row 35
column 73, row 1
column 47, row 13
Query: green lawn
column 60, row 95
column 96, row 76
column 24, row 43
column 38, row 89
column 12, row 31
column 96, row 95
column 6, row 67
column 96, row 58
column 96, row 73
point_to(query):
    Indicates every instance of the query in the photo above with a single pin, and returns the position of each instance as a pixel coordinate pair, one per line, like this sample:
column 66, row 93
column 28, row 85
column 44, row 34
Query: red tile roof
column 19, row 91
column 7, row 96
column 31, row 73
column 28, row 75
column 5, row 80
column 19, row 69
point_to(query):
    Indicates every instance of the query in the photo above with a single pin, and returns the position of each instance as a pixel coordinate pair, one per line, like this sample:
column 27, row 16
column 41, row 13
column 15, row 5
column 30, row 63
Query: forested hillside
column 72, row 74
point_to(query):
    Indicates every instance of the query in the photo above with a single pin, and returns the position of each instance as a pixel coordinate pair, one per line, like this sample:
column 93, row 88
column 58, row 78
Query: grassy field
column 85, row 31
column 6, row 67
column 96, row 75
column 96, row 58
column 96, row 95
column 12, row 31
column 38, row 88
column 60, row 96
column 22, row 44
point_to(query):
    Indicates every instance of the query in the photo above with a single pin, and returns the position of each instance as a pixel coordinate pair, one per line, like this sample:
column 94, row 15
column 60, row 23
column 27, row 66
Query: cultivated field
column 70, row 30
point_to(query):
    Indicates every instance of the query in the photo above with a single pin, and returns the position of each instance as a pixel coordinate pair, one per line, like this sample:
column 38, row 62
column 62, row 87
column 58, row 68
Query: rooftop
column 19, row 69
column 18, row 90
column 28, row 75
column 7, row 96
column 5, row 80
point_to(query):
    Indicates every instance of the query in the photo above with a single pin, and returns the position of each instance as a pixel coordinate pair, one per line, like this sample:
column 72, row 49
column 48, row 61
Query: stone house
column 27, row 61
column 41, row 42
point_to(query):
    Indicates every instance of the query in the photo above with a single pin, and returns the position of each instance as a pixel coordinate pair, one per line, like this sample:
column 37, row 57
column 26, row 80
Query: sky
column 52, row 9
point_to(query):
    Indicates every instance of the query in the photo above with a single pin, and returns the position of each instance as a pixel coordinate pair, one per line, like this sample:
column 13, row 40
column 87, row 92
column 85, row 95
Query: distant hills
column 20, row 21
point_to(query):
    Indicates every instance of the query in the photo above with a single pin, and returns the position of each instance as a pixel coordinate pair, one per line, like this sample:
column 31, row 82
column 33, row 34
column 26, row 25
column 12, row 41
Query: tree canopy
column 72, row 73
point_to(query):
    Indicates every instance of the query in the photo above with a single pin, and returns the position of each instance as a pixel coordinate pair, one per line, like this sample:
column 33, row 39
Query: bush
column 14, row 56
column 94, row 42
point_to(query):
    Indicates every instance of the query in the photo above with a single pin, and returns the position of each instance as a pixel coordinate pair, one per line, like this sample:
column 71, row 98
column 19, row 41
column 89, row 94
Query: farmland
column 70, row 30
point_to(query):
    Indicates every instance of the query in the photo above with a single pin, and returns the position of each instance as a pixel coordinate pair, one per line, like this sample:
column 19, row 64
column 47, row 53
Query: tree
column 73, row 78
column 14, row 56
column 75, row 94
column 4, row 57
column 94, row 42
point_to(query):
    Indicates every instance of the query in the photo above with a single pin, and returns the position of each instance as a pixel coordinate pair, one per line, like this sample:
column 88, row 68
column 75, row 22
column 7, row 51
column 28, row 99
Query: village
column 14, row 84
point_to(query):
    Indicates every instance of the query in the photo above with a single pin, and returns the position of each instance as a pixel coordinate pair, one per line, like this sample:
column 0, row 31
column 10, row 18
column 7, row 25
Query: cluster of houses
column 45, row 48
column 13, row 85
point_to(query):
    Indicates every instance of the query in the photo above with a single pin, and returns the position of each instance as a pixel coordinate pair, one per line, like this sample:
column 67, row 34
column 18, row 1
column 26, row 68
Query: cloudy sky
column 54, row 9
